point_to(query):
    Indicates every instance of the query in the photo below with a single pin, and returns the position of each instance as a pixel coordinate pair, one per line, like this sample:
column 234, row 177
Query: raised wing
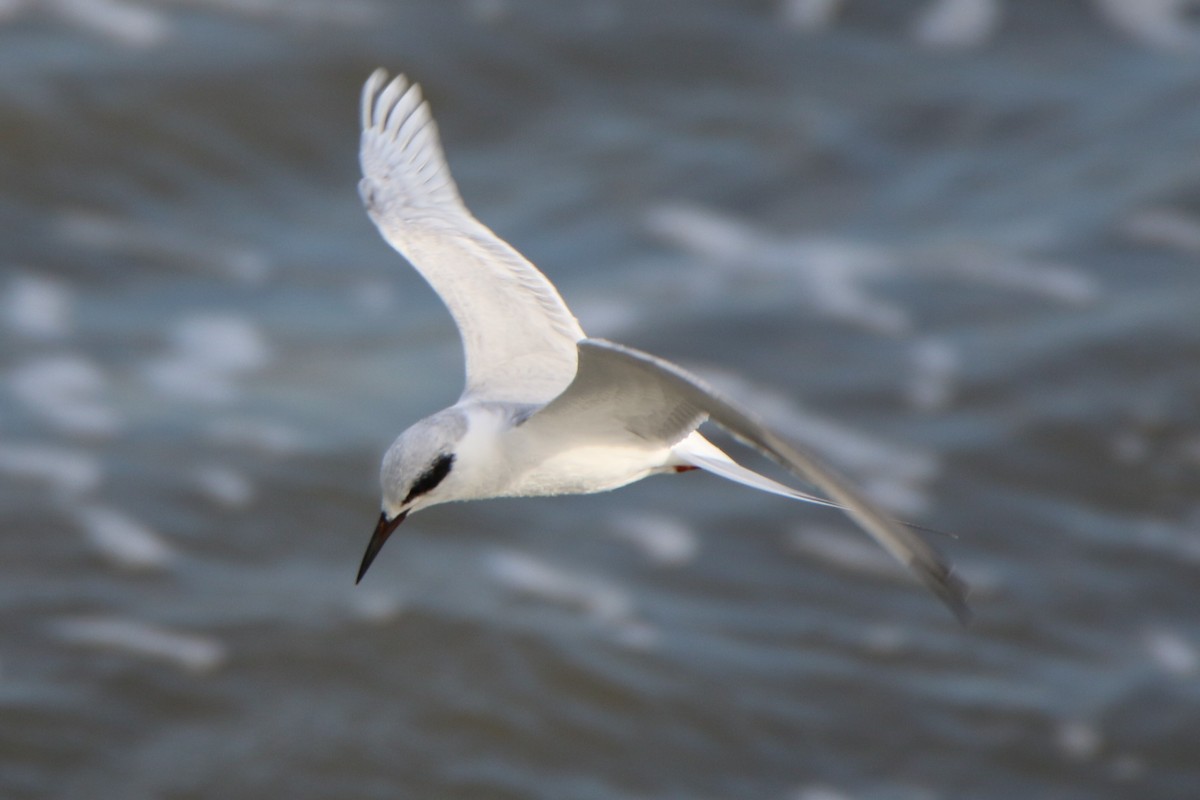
column 652, row 399
column 518, row 335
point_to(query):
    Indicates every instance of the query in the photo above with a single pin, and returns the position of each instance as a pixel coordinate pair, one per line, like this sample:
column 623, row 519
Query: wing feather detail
column 518, row 335
column 654, row 399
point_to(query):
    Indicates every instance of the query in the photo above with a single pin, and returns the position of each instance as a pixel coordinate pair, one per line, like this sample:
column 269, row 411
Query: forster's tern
column 546, row 410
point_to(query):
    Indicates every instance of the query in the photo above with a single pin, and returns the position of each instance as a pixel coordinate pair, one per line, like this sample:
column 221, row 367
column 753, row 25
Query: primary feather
column 518, row 335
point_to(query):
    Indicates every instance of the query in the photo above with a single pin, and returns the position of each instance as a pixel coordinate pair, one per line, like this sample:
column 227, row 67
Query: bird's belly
column 588, row 469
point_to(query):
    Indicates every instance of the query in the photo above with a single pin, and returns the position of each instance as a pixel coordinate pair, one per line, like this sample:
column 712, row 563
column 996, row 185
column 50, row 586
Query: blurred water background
column 951, row 243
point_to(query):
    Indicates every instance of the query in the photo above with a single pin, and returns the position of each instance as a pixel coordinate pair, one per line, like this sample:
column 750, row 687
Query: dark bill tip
column 382, row 531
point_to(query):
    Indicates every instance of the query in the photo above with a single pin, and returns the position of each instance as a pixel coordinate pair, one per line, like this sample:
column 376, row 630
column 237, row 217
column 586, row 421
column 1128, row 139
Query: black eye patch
column 430, row 477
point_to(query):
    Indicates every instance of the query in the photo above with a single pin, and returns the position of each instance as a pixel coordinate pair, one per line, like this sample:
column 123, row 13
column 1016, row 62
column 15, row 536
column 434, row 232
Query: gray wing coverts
column 603, row 363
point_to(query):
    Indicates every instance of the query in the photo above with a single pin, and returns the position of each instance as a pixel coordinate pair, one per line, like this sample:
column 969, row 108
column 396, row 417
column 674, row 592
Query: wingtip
column 951, row 590
column 369, row 92
column 374, row 108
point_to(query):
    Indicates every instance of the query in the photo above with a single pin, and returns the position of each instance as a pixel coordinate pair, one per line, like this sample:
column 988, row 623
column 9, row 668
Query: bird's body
column 497, row 456
column 546, row 410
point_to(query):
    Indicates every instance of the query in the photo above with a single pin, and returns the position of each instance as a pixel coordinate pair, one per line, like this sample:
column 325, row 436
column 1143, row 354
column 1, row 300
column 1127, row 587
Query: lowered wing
column 647, row 398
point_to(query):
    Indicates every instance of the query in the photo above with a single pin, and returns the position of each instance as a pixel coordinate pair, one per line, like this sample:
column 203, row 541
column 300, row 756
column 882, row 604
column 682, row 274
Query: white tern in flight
column 547, row 410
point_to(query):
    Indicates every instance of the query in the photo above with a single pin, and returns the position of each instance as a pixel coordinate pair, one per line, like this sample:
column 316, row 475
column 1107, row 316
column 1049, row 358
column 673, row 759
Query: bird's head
column 414, row 474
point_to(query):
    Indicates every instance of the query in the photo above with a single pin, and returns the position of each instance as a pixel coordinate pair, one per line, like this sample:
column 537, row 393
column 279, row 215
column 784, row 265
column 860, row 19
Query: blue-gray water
column 952, row 244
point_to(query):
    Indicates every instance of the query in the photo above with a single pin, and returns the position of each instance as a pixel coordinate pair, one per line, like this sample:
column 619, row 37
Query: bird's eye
column 431, row 477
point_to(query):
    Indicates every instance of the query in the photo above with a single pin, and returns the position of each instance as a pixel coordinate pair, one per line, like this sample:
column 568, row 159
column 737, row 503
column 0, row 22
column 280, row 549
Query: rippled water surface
column 953, row 244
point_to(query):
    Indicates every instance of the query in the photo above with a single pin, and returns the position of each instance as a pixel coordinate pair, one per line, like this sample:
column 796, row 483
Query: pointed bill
column 382, row 531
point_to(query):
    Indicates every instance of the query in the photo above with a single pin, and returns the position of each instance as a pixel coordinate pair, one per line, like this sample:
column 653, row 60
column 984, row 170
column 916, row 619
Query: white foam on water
column 706, row 233
column 489, row 12
column 141, row 25
column 65, row 391
column 887, row 639
column 1164, row 227
column 375, row 605
column 846, row 550
column 957, row 24
column 310, row 12
column 1078, row 740
column 130, row 24
column 1129, row 446
column 991, row 266
column 98, row 231
column 373, row 296
column 809, row 15
column 1172, row 652
column 835, row 274
column 161, row 243
column 265, row 436
column 665, row 540
column 606, row 317
column 224, row 486
column 636, row 634
column 70, row 472
column 898, row 493
column 38, row 307
column 1162, row 24
column 191, row 381
column 933, row 379
column 221, row 342
column 1128, row 767
column 819, row 791
column 197, row 654
column 1062, row 282
column 209, row 352
column 540, row 579
column 123, row 541
column 247, row 266
column 1176, row 537
column 9, row 8
column 1189, row 448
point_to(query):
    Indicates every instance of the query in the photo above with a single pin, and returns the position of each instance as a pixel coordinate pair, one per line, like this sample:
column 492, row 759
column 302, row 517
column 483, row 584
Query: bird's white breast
column 585, row 469
column 502, row 461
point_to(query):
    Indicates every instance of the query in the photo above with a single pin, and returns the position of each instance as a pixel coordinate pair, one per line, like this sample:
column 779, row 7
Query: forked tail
column 700, row 452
